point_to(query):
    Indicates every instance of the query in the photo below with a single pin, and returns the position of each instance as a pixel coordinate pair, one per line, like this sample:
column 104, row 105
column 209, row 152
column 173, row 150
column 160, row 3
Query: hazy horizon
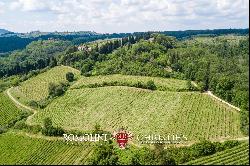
column 122, row 16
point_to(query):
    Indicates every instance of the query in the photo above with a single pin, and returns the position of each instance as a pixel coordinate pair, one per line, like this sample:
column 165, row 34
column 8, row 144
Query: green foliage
column 34, row 128
column 49, row 129
column 163, row 84
column 33, row 104
column 37, row 55
column 103, row 154
column 166, row 41
column 20, row 125
column 70, row 76
column 151, row 85
column 3, row 130
column 203, row 149
column 53, row 131
column 244, row 116
column 238, row 154
column 57, row 89
column 47, row 122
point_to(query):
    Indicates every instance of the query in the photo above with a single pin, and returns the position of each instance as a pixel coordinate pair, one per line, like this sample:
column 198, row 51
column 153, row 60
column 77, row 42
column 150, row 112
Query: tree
column 151, row 85
column 204, row 148
column 56, row 89
column 70, row 76
column 104, row 154
column 47, row 122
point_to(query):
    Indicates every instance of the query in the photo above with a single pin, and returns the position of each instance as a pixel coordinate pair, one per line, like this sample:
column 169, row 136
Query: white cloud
column 136, row 15
column 2, row 5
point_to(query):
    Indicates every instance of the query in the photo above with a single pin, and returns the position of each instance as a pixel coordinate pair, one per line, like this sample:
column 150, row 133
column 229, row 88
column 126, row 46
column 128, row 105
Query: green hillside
column 36, row 88
column 143, row 111
column 21, row 149
column 238, row 155
column 161, row 83
column 8, row 110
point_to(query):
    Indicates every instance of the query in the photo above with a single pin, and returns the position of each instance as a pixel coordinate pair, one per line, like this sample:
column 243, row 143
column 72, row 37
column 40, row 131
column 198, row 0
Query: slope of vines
column 36, row 88
column 20, row 149
column 161, row 83
column 8, row 110
column 238, row 155
column 142, row 111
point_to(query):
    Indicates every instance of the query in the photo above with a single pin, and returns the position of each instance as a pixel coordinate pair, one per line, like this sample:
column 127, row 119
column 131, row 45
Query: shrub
column 33, row 103
column 70, row 76
column 44, row 102
column 57, row 89
column 53, row 131
column 151, row 85
column 47, row 122
column 20, row 125
column 2, row 130
column 34, row 129
column 203, row 149
column 49, row 130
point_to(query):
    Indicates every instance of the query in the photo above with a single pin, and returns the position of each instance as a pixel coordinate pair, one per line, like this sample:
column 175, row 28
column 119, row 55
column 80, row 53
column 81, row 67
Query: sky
column 114, row 16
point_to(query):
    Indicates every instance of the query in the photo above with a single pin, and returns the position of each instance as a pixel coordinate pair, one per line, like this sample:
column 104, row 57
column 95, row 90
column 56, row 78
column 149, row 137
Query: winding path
column 21, row 105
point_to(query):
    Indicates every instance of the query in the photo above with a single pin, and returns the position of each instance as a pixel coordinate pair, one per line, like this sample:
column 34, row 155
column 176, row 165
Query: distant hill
column 10, row 41
column 4, row 31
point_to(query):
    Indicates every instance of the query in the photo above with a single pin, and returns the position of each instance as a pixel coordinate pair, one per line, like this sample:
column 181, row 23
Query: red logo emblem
column 122, row 137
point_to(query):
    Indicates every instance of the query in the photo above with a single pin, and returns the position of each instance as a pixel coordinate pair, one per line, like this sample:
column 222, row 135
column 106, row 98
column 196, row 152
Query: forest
column 10, row 41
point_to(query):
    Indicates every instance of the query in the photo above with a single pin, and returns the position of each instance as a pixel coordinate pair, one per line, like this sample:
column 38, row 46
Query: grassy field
column 238, row 155
column 161, row 83
column 8, row 110
column 21, row 149
column 143, row 111
column 36, row 88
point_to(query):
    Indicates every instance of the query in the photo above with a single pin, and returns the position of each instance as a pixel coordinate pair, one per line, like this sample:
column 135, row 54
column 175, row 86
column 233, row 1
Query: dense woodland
column 10, row 41
column 219, row 64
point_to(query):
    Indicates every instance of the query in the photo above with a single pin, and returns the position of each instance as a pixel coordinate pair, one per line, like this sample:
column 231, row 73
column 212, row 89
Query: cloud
column 134, row 15
column 2, row 6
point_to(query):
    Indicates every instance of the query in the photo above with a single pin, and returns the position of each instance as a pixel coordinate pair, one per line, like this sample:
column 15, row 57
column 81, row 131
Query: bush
column 151, row 85
column 70, row 76
column 49, row 130
column 87, row 74
column 57, row 89
column 53, row 131
column 20, row 125
column 2, row 130
column 34, row 129
column 47, row 122
column 33, row 104
column 203, row 149
column 43, row 103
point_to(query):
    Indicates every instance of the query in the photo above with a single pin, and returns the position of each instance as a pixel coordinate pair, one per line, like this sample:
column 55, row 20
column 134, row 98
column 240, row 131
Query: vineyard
column 238, row 155
column 20, row 149
column 161, row 83
column 8, row 111
column 141, row 111
column 36, row 88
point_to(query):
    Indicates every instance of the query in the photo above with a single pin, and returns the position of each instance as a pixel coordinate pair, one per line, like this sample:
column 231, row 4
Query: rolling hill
column 36, row 88
column 141, row 111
